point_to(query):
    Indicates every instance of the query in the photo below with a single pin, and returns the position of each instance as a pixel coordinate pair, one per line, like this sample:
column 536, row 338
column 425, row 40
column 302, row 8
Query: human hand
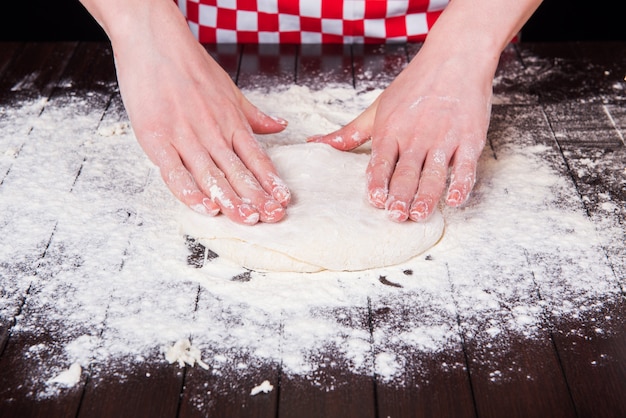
column 430, row 122
column 194, row 124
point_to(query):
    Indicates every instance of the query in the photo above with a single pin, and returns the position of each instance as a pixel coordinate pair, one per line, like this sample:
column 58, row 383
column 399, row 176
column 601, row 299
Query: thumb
column 260, row 122
column 352, row 135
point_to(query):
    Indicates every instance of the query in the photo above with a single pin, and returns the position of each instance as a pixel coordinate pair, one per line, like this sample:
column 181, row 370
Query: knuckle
column 433, row 173
column 407, row 172
column 378, row 164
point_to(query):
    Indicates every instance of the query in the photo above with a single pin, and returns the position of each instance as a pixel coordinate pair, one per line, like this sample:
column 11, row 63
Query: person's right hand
column 192, row 121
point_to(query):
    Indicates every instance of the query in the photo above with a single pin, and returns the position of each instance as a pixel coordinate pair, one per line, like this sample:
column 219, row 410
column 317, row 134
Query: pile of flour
column 115, row 287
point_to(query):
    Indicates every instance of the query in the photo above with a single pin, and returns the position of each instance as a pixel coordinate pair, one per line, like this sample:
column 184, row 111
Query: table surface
column 579, row 115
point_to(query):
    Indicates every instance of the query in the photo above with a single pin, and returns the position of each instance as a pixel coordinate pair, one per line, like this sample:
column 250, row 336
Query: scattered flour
column 119, row 128
column 265, row 387
column 69, row 377
column 107, row 278
column 184, row 354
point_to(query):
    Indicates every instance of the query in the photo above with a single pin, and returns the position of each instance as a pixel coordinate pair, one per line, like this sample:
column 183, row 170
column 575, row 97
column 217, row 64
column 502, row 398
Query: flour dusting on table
column 91, row 248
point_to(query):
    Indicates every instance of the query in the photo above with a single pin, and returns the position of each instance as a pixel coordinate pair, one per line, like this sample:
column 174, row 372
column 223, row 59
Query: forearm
column 121, row 19
column 483, row 27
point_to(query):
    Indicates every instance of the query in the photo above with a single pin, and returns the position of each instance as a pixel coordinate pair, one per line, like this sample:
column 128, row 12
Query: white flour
column 115, row 287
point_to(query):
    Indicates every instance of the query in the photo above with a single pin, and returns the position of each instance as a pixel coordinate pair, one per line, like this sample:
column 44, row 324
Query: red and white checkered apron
column 310, row 21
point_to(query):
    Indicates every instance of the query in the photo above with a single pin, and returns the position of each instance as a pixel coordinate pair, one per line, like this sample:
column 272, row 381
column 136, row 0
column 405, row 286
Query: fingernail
column 199, row 208
column 419, row 211
column 454, row 198
column 396, row 211
column 378, row 197
column 273, row 209
column 205, row 208
column 282, row 194
column 249, row 214
column 280, row 121
column 314, row 138
column 211, row 208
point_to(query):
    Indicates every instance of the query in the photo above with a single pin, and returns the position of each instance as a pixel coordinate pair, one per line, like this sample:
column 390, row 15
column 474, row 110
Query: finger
column 251, row 164
column 260, row 122
column 432, row 183
column 403, row 185
column 352, row 135
column 182, row 185
column 260, row 165
column 345, row 139
column 379, row 171
column 243, row 181
column 225, row 177
column 463, row 177
column 213, row 182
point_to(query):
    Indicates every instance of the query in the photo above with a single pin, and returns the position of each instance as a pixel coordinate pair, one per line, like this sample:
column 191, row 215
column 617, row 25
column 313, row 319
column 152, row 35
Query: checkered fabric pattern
column 311, row 21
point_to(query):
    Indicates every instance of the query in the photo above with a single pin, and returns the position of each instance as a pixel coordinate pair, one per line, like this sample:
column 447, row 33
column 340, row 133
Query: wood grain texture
column 568, row 98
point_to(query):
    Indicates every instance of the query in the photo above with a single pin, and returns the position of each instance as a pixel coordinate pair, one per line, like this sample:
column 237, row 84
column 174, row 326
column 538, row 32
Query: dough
column 329, row 223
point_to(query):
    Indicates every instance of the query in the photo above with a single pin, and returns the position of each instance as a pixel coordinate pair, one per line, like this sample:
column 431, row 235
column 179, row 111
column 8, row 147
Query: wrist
column 122, row 20
column 482, row 26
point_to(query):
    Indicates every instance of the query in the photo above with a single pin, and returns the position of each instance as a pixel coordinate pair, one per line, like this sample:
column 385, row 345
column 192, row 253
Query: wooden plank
column 593, row 148
column 593, row 348
column 42, row 66
column 347, row 396
column 512, row 79
column 591, row 137
column 581, row 348
column 16, row 398
column 139, row 392
column 330, row 389
column 139, row 384
column 413, row 48
column 32, row 74
column 94, row 74
column 49, row 292
column 584, row 126
column 321, row 65
column 376, row 66
column 572, row 71
column 267, row 66
column 124, row 387
column 128, row 387
column 136, row 387
column 225, row 388
column 8, row 50
column 605, row 66
column 228, row 392
column 434, row 380
column 36, row 69
column 511, row 374
column 617, row 115
column 553, row 76
column 592, row 353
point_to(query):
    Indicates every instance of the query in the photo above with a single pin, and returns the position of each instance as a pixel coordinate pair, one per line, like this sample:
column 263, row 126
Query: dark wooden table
column 579, row 107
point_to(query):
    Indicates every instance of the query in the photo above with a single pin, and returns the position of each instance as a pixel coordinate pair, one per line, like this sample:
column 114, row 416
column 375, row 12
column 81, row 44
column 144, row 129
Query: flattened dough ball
column 329, row 224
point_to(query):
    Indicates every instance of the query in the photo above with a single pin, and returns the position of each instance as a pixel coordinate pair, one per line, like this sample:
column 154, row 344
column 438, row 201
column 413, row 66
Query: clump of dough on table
column 329, row 224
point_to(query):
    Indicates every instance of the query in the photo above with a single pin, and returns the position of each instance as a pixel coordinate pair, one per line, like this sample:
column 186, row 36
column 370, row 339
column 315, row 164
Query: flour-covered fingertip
column 377, row 197
column 248, row 214
column 454, row 198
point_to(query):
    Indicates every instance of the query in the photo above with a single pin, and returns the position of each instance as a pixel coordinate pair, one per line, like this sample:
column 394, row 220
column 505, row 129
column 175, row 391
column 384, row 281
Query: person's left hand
column 431, row 121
